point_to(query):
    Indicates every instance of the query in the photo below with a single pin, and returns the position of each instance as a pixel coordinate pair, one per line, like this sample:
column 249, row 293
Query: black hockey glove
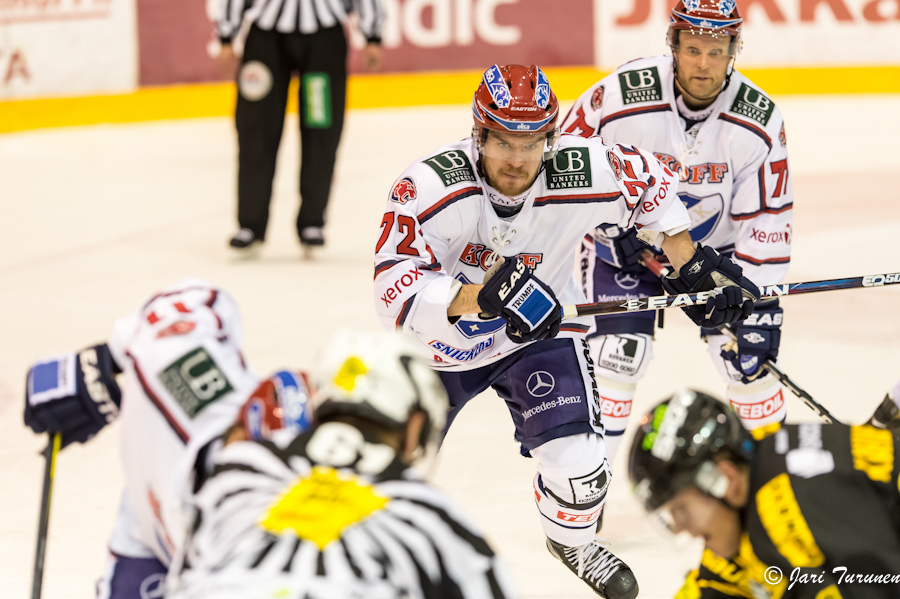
column 529, row 307
column 622, row 249
column 73, row 394
column 705, row 271
column 757, row 340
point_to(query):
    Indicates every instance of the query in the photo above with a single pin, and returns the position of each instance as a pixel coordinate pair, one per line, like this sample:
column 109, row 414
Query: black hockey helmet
column 675, row 445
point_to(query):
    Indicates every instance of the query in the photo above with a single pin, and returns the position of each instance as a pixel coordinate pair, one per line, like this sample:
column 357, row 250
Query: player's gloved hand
column 705, row 271
column 620, row 248
column 757, row 340
column 529, row 307
column 74, row 394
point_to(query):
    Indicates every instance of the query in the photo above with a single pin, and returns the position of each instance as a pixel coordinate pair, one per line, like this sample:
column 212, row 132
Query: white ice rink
column 95, row 219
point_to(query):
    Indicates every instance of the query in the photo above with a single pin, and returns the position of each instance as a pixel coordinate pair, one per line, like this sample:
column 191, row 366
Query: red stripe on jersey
column 446, row 201
column 589, row 198
column 182, row 434
column 758, row 261
column 635, row 111
column 574, row 328
column 748, row 126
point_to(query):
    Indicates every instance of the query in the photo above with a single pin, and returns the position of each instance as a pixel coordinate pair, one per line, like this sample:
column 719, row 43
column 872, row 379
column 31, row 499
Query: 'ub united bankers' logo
column 705, row 213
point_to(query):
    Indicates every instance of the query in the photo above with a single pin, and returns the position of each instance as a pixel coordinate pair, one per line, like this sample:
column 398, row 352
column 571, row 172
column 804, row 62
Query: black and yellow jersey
column 280, row 523
column 822, row 522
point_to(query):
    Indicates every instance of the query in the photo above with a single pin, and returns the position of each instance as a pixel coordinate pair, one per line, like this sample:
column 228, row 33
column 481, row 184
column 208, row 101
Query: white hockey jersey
column 440, row 228
column 735, row 180
column 183, row 383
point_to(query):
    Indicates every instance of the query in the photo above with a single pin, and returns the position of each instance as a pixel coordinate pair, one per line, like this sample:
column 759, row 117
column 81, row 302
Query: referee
column 306, row 36
column 337, row 513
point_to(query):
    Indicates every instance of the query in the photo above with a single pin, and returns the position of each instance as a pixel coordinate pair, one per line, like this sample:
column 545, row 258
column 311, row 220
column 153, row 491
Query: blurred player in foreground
column 812, row 511
column 726, row 140
column 517, row 199
column 184, row 384
column 337, row 512
column 174, row 375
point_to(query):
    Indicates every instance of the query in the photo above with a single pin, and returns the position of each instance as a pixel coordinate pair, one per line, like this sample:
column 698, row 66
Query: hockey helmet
column 717, row 18
column 676, row 443
column 281, row 402
column 383, row 378
column 516, row 99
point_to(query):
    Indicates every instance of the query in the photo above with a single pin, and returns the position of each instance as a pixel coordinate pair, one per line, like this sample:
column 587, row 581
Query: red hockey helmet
column 717, row 18
column 516, row 99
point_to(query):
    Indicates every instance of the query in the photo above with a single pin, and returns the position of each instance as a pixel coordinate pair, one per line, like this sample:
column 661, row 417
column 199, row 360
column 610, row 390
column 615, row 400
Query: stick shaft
column 49, row 467
column 690, row 299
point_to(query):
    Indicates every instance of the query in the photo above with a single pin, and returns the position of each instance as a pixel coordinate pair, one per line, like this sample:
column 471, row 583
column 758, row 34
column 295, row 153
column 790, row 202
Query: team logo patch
column 493, row 79
column 540, row 383
column 569, row 169
column 691, row 5
column 705, row 213
column 753, row 104
column 194, row 380
column 597, row 98
column 542, row 89
column 615, row 163
column 782, row 136
column 182, row 327
column 404, row 191
column 642, row 85
column 726, row 7
column 255, row 81
column 452, row 167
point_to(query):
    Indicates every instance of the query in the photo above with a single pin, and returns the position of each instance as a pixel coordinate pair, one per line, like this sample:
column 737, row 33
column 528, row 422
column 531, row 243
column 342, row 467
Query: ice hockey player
column 337, row 512
column 174, row 375
column 725, row 138
column 810, row 511
column 519, row 191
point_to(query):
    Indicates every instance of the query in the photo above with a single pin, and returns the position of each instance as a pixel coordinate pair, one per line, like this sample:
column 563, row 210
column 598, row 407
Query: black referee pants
column 269, row 60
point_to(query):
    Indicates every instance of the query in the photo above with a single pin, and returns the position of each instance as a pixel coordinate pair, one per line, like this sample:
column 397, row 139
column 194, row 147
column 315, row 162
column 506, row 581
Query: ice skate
column 598, row 568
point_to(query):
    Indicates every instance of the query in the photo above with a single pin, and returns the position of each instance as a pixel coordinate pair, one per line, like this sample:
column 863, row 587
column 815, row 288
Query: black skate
column 598, row 568
column 887, row 415
column 245, row 244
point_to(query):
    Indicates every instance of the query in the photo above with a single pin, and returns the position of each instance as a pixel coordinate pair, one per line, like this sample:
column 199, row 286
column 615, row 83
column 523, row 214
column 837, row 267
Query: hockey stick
column 658, row 302
column 50, row 455
column 659, row 270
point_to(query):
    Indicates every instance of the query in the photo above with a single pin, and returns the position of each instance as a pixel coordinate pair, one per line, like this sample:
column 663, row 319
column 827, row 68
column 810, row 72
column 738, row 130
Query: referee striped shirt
column 271, row 523
column 305, row 16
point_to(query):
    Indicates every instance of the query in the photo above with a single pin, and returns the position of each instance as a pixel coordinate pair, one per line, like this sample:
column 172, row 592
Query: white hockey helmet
column 382, row 377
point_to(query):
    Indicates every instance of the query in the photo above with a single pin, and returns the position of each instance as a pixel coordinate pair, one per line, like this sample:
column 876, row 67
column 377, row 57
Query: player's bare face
column 702, row 65
column 511, row 160
column 704, row 517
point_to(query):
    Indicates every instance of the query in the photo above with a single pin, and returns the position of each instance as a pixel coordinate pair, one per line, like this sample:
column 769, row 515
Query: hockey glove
column 529, row 307
column 705, row 271
column 73, row 394
column 757, row 340
column 619, row 248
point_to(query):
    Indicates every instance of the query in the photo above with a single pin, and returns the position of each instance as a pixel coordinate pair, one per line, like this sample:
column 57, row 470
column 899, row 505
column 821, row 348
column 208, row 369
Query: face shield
column 516, row 147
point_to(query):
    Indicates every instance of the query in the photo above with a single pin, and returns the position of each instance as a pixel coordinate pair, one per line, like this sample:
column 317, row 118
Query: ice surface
column 94, row 219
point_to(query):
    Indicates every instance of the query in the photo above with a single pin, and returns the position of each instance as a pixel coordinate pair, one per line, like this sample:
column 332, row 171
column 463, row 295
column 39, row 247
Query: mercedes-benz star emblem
column 626, row 280
column 540, row 383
